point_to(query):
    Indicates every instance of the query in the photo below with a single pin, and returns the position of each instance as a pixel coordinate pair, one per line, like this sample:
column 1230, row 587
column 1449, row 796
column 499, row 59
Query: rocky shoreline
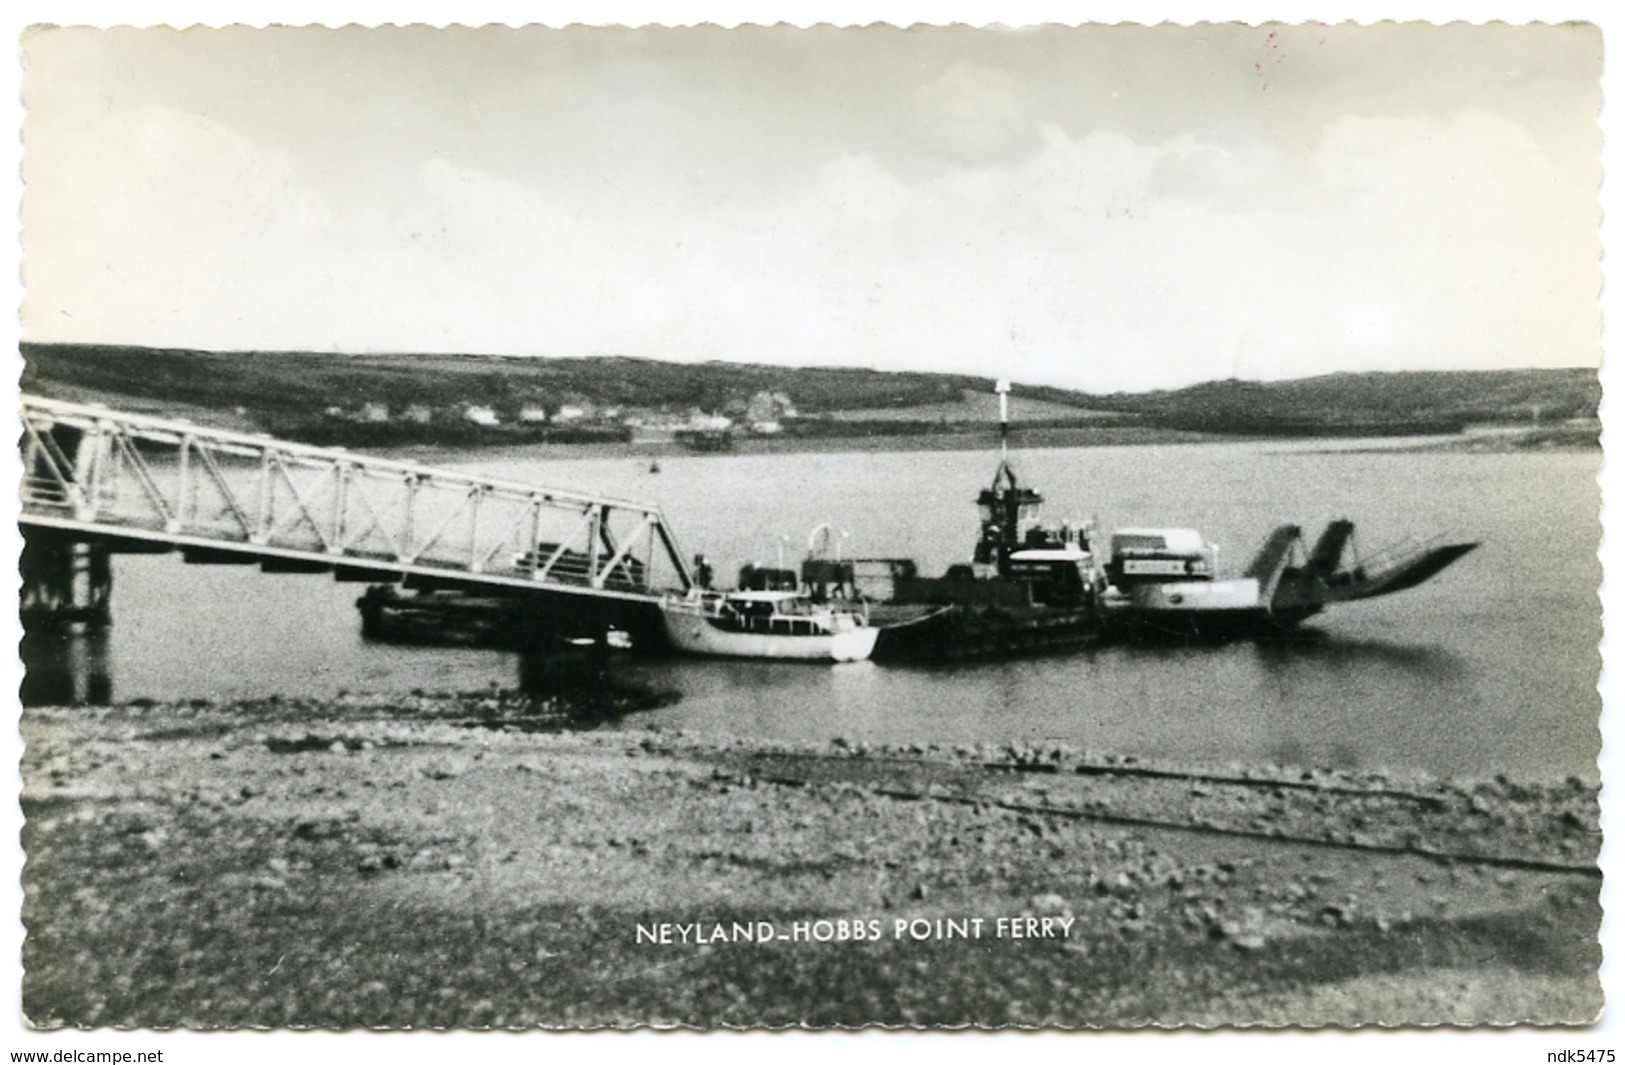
column 491, row 859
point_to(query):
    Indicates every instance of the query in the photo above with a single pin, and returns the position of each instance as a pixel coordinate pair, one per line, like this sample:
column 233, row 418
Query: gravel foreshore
column 494, row 860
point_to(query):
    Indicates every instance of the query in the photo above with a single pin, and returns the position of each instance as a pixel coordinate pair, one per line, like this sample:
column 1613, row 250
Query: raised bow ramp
column 1327, row 579
column 106, row 481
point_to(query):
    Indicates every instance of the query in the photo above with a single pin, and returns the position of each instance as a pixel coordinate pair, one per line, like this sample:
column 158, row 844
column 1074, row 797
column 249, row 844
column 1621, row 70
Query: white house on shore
column 767, row 407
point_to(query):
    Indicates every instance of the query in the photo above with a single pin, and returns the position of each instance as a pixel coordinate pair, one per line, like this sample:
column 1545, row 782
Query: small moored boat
column 781, row 624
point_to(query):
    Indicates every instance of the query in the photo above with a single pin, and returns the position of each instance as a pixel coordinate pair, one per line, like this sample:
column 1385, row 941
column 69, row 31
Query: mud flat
column 489, row 860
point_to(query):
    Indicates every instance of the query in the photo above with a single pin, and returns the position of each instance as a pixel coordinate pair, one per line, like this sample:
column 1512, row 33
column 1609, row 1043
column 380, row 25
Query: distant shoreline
column 793, row 445
column 986, row 439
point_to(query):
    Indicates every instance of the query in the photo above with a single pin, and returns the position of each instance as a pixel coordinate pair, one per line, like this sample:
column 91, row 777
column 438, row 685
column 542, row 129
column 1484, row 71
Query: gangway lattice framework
column 130, row 482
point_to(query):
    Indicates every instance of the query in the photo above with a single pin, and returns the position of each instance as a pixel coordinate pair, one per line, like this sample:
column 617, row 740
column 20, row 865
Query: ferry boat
column 767, row 623
column 1164, row 581
column 1035, row 587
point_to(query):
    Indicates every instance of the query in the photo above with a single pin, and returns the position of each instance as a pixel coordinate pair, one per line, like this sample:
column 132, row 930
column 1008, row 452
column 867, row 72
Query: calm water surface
column 1489, row 668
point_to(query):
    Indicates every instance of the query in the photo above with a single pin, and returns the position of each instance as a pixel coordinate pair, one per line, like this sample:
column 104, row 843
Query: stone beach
column 496, row 860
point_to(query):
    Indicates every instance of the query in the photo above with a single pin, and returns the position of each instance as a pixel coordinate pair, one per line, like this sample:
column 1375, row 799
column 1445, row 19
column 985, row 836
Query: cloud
column 1097, row 260
column 975, row 115
column 148, row 227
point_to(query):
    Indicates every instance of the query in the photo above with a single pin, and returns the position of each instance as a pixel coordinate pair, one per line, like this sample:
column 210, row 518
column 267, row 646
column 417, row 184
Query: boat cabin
column 776, row 613
column 767, row 612
column 1060, row 574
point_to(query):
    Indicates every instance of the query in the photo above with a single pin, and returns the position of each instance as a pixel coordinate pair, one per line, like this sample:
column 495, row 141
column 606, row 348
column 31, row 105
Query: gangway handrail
column 113, row 477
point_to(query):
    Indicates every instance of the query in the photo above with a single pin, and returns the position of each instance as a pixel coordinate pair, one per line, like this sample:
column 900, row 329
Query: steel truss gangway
column 98, row 481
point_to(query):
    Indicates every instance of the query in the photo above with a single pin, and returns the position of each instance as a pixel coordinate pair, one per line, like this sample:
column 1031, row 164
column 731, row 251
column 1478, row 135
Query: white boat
column 767, row 624
column 1163, row 581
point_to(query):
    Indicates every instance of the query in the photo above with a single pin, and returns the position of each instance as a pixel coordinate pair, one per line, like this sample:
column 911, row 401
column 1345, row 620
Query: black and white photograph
column 925, row 526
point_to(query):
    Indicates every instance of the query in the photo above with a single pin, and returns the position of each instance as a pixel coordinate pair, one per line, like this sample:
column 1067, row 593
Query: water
column 1489, row 668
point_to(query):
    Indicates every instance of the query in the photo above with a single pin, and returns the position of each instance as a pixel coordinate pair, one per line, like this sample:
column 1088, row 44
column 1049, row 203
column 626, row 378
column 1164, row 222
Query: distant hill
column 287, row 392
column 298, row 381
column 1423, row 400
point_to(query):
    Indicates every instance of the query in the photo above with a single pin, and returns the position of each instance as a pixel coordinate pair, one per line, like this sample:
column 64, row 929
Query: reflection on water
column 65, row 668
column 1489, row 668
column 1325, row 650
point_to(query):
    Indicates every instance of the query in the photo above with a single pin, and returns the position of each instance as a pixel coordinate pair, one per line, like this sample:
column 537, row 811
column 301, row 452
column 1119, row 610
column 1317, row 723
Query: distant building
column 482, row 416
column 651, row 426
column 532, row 415
column 769, row 407
column 420, row 413
column 374, row 412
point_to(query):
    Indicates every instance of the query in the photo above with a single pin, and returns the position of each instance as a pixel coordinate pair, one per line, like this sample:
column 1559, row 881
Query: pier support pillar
column 65, row 582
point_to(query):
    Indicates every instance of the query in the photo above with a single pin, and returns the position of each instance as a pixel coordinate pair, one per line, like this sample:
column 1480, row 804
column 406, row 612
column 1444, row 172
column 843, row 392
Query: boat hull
column 1201, row 610
column 1158, row 626
column 442, row 618
column 957, row 632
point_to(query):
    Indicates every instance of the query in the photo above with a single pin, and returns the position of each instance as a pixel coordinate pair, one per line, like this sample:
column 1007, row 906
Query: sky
column 1107, row 208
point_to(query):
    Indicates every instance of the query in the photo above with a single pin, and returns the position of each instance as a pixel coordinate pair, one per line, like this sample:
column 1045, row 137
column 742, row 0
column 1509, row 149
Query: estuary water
column 1489, row 668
